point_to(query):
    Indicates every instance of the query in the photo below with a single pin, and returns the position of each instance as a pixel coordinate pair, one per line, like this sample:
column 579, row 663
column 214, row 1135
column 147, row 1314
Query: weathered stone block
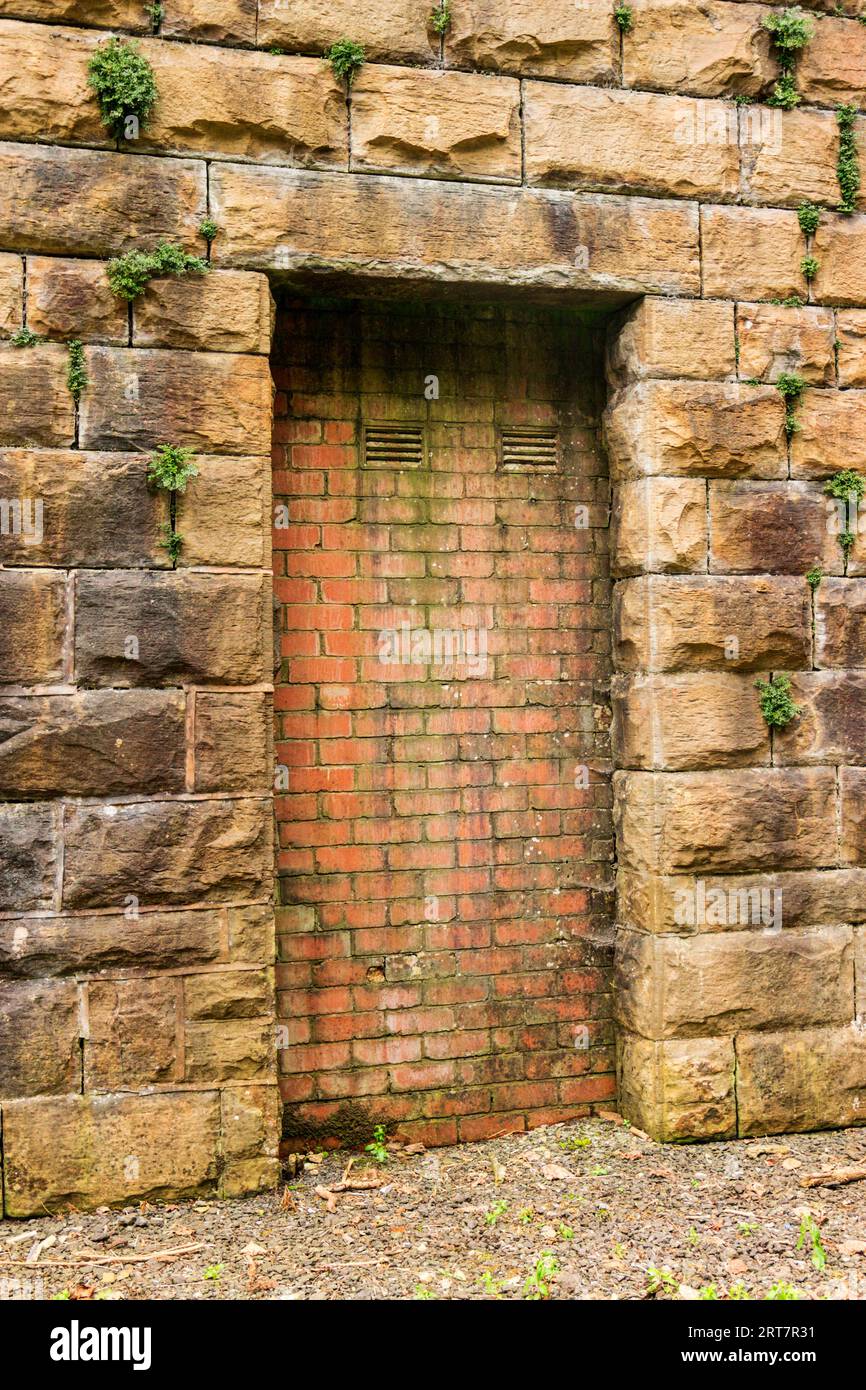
column 11, row 294
column 233, row 738
column 71, row 299
column 29, row 846
column 250, row 1135
column 35, row 404
column 139, row 397
column 455, row 125
column 762, row 818
column 234, row 1049
column 553, row 39
column 688, row 622
column 852, row 787
column 840, row 623
column 709, row 429
column 225, row 311
column 655, row 903
column 104, row 14
column 707, row 719
column 33, row 627
column 672, row 338
column 155, row 629
column 829, row 728
column 832, row 434
column 725, row 982
column 229, row 994
column 88, row 1150
column 211, row 21
column 805, row 1079
column 223, row 516
column 43, row 946
column 292, row 220
column 39, row 1031
column 44, row 80
column 132, row 1033
column 167, row 852
column 751, row 253
column 659, row 524
column 776, row 339
column 709, row 50
column 789, row 156
column 609, row 140
column 778, row 528
column 851, row 334
column 110, row 202
column 832, row 66
column 840, row 250
column 392, row 30
column 251, row 933
column 678, row 1089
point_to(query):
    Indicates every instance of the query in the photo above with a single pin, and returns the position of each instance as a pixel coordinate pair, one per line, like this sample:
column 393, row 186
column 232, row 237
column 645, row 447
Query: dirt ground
column 590, row 1210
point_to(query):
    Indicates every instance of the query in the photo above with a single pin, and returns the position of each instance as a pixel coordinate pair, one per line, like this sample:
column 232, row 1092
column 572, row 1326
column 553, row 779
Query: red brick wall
column 443, row 961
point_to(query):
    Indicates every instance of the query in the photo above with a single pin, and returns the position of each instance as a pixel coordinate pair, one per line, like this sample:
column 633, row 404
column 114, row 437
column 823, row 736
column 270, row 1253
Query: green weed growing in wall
column 791, row 388
column 808, row 216
column 23, row 338
column 814, row 577
column 848, row 487
column 624, row 16
column 76, row 370
column 848, row 165
column 128, row 274
column 169, row 470
column 777, row 705
column 208, row 229
column 790, row 31
column 809, row 268
column 440, row 17
column 125, row 87
column 345, row 58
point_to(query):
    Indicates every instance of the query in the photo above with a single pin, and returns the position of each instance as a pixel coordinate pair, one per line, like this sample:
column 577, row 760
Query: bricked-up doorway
column 445, row 846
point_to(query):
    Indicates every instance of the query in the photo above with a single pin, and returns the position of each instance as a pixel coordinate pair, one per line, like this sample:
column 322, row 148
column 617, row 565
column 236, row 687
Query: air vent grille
column 534, row 451
column 394, row 446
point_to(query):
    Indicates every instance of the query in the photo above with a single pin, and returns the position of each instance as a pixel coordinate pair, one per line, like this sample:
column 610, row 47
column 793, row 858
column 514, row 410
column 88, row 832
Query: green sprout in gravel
column 440, row 17
column 811, row 1235
column 346, row 59
column 777, row 705
column 124, row 85
column 790, row 31
column 128, row 275
column 24, row 339
column 76, row 370
column 378, row 1147
column 214, row 1273
column 781, row 1292
column 624, row 16
column 848, row 164
column 661, row 1281
column 537, row 1283
column 497, row 1211
column 808, row 216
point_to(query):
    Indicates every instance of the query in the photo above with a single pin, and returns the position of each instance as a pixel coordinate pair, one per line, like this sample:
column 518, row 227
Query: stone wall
column 534, row 149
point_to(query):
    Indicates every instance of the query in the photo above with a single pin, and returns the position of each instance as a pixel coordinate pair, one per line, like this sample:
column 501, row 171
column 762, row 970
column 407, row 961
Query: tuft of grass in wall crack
column 808, row 216
column 208, row 230
column 129, row 274
column 23, row 338
column 624, row 16
column 125, row 87
column 790, row 30
column 848, row 165
column 791, row 388
column 77, row 379
column 848, row 487
column 440, row 17
column 169, row 470
column 814, row 577
column 346, row 59
column 809, row 268
column 157, row 14
column 777, row 705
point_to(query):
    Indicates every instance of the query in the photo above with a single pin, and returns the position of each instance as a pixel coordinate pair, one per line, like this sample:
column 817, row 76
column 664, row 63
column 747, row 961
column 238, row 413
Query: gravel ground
column 581, row 1210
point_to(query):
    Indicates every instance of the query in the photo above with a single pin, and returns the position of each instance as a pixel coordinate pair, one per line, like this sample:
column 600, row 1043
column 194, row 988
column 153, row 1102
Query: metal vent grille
column 534, row 451
column 393, row 446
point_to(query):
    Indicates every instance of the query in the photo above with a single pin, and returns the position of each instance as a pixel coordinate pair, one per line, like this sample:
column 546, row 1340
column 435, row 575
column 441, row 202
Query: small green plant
column 781, row 1293
column 157, row 14
column 790, row 30
column 738, row 1292
column 440, row 17
column 814, row 577
column 809, row 267
column 793, row 301
column 24, row 338
column 76, row 370
column 565, row 1231
column 777, row 706
column 345, row 58
column 847, row 487
column 661, row 1281
column 739, row 99
column 422, row 1294
column 128, row 275
column 60, row 1296
column 378, row 1147
column 581, row 1141
column 537, row 1283
column 598, row 1171
column 525, row 1215
column 491, row 1286
column 624, row 16
column 693, row 1237
column 208, row 229
column 171, row 468
column 708, row 1294
column 811, row 1235
column 124, row 85
column 791, row 388
column 747, row 1228
column 172, row 542
column 808, row 216
column 214, row 1273
column 497, row 1211
column 847, row 165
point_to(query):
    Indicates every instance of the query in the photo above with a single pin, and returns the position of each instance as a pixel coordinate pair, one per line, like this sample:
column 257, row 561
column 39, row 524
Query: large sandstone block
column 250, row 1131
column 725, row 982
column 35, row 404
column 852, row 787
column 832, row 67
column 751, row 253
column 132, row 1033
column 71, row 299
column 139, row 397
column 39, row 1032
column 225, row 311
column 689, row 622
column 223, row 994
column 89, row 1150
column 454, row 125
column 92, row 744
column 211, row 21
column 707, row 429
column 789, row 156
column 69, row 945
column 32, row 633
column 800, row 898
column 775, row 339
column 224, row 514
column 29, row 857
column 11, row 294
column 829, row 728
column 851, row 336
column 167, row 852
column 672, row 338
column 233, row 738
column 659, row 524
column 594, row 138
column 234, row 1049
column 726, row 821
column 391, row 30
column 778, row 528
column 678, row 1089
column 292, row 220
column 831, row 434
column 104, row 14
column 840, row 623
column 801, row 1080
column 96, row 509
column 110, row 202
column 710, row 50
column 550, row 39
column 154, row 629
column 252, row 933
column 43, row 73
column 840, row 250
column 665, row 721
